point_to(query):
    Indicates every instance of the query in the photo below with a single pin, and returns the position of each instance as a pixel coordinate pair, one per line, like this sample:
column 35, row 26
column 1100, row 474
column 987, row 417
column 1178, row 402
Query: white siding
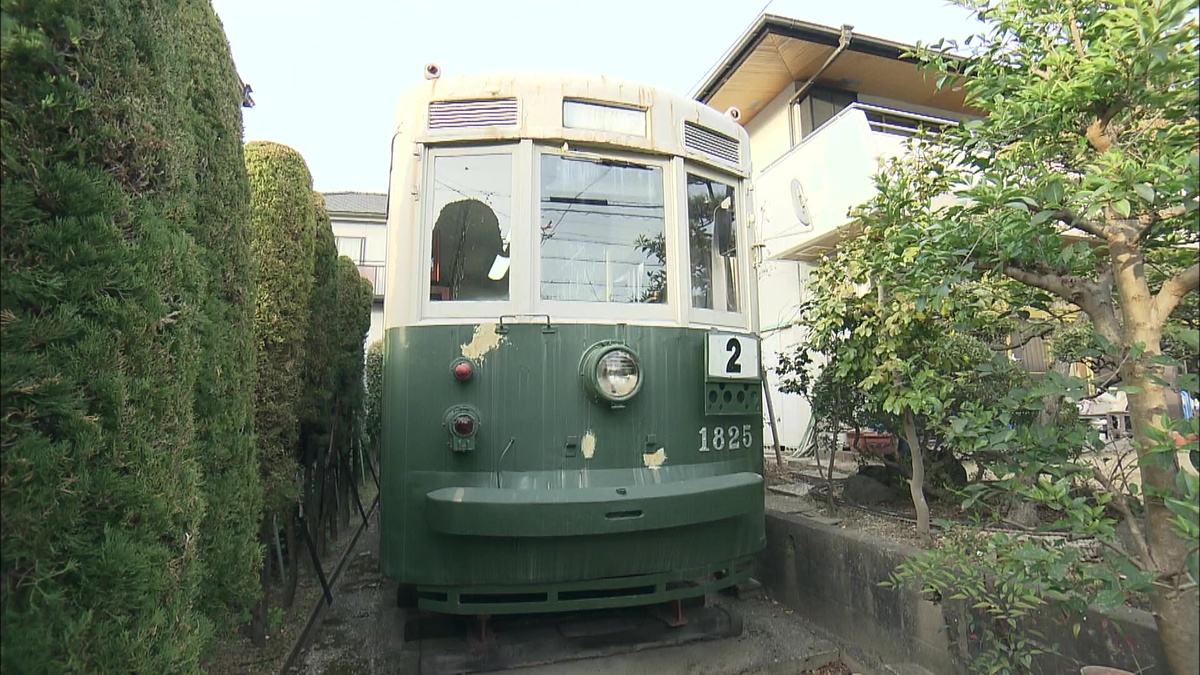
column 374, row 233
column 770, row 135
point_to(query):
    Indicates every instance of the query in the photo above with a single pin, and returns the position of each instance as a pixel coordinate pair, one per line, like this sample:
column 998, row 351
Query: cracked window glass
column 472, row 203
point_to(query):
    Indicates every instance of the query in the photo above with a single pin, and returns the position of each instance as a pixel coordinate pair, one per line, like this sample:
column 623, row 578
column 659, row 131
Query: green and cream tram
column 572, row 397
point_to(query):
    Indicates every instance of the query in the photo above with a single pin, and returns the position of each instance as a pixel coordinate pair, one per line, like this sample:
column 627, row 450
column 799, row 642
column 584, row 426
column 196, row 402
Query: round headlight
column 618, row 375
column 610, row 372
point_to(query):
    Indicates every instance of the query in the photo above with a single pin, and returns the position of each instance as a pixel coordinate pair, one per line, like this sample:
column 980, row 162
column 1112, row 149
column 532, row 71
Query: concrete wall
column 831, row 577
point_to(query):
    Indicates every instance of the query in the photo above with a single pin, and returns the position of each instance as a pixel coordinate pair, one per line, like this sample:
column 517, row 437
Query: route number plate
column 732, row 357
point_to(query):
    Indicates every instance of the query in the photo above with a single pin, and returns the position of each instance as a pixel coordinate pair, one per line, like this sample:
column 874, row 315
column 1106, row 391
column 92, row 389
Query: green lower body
column 563, row 502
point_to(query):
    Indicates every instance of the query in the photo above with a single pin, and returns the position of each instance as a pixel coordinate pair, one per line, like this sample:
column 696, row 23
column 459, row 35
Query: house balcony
column 803, row 199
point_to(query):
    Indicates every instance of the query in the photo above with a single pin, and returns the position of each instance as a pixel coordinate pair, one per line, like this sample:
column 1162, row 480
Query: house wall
column 770, row 133
column 834, row 168
column 781, row 290
column 374, row 255
column 375, row 234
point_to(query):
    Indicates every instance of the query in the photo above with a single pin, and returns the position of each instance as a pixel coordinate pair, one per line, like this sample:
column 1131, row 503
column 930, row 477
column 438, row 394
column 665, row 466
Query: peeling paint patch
column 654, row 460
column 589, row 445
column 485, row 339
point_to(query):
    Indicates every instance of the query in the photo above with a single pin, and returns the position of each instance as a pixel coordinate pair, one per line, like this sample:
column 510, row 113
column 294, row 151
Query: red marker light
column 464, row 425
column 463, row 371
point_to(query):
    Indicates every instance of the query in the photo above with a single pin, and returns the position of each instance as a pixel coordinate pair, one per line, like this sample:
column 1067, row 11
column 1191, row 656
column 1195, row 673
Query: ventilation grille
column 710, row 142
column 494, row 112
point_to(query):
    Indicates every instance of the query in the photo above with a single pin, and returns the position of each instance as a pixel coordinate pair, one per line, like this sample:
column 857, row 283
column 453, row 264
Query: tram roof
column 531, row 105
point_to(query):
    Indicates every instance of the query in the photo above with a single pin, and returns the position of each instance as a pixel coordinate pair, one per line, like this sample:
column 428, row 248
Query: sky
column 327, row 75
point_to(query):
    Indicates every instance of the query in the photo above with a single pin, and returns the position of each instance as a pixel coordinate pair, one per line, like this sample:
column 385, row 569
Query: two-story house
column 360, row 229
column 823, row 107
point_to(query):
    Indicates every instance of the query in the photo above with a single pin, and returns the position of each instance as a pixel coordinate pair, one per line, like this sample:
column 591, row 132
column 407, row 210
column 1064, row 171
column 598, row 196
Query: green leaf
column 1041, row 217
column 1054, row 191
column 1122, row 207
column 1144, row 191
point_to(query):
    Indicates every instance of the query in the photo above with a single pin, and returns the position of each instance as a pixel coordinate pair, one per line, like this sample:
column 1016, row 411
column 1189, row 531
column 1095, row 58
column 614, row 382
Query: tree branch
column 1072, row 219
column 1119, row 501
column 1097, row 131
column 1093, row 297
column 1174, row 290
column 1147, row 222
column 1041, row 331
column 1076, row 37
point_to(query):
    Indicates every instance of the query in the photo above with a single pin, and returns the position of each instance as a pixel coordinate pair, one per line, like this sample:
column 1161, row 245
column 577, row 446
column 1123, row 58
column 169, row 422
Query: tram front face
column 573, row 416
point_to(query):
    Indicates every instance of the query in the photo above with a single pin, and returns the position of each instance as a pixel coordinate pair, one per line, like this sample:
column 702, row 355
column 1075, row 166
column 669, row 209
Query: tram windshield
column 601, row 235
column 603, row 231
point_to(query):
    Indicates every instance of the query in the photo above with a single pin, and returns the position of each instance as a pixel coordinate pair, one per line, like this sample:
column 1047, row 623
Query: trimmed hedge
column 124, row 317
column 225, row 398
column 353, row 321
column 373, row 381
column 283, row 223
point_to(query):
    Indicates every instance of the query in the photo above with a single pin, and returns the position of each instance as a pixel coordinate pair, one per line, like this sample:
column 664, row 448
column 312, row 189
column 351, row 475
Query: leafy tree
column 1081, row 185
column 896, row 331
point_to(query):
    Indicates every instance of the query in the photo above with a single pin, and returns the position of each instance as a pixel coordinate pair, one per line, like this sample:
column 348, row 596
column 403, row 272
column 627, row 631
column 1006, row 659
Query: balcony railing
column 890, row 120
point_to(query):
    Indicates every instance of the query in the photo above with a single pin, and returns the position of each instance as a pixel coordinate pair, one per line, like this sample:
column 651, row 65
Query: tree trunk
column 916, row 483
column 258, row 613
column 833, row 453
column 293, row 577
column 1175, row 612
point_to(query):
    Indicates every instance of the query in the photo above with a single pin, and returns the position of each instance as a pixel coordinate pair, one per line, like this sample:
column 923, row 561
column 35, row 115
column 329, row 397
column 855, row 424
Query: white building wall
column 376, row 331
column 770, row 131
column 375, row 235
column 374, row 253
column 781, row 290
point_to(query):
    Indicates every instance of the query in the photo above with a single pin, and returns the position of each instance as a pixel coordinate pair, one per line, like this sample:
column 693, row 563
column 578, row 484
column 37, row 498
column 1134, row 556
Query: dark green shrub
column 373, row 379
column 284, row 228
column 225, row 395
column 123, row 314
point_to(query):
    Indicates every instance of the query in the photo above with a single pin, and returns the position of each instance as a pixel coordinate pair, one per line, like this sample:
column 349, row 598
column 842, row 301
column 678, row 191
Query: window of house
column 472, row 207
column 351, row 247
column 820, row 105
column 603, row 231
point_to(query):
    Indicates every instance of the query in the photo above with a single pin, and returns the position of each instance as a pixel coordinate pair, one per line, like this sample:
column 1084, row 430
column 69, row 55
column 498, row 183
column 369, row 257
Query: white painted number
column 732, row 437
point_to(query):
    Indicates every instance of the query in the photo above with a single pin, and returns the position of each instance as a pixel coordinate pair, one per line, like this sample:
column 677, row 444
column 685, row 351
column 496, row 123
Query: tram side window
column 472, row 203
column 712, row 244
column 603, row 231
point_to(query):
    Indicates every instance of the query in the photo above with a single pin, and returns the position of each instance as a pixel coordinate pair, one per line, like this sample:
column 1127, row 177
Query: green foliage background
column 129, row 469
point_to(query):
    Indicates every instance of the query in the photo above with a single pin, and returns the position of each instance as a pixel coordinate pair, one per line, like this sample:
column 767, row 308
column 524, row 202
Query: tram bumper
column 561, row 512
